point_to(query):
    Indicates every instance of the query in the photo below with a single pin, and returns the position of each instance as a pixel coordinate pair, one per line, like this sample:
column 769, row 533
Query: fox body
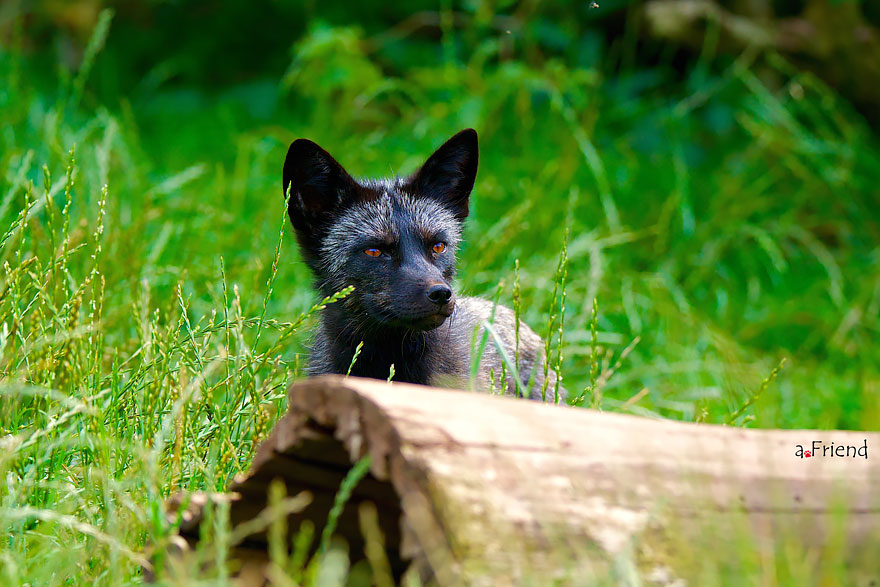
column 395, row 240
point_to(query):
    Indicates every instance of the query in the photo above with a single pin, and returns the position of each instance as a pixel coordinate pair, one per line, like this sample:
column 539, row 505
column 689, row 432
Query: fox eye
column 372, row 252
column 439, row 247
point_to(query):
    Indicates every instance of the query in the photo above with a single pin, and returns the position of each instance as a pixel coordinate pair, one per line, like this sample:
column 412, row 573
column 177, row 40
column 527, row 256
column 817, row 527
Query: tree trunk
column 485, row 490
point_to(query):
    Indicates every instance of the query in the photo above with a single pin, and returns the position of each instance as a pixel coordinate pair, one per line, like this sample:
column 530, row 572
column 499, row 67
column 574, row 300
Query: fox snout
column 427, row 306
column 403, row 300
column 440, row 294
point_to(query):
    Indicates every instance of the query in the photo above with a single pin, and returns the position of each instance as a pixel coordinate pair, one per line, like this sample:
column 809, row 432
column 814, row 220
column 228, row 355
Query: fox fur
column 395, row 241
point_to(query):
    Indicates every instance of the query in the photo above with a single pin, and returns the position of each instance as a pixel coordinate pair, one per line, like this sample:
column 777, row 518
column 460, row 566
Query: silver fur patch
column 383, row 219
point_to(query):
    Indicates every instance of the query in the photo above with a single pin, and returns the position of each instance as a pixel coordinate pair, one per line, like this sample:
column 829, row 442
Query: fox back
column 395, row 241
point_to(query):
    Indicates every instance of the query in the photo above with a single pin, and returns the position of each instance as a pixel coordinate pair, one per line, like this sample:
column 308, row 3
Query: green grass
column 154, row 309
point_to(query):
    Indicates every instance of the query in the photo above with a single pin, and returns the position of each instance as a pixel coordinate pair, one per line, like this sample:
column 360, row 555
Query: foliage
column 153, row 307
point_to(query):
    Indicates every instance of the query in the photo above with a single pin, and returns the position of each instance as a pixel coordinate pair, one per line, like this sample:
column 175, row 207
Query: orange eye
column 372, row 252
column 439, row 248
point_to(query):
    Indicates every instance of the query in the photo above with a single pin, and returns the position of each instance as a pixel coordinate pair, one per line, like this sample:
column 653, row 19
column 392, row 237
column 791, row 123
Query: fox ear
column 318, row 184
column 448, row 175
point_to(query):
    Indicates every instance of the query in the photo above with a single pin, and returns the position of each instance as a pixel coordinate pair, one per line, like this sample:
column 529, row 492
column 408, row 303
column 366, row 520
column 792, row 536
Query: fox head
column 394, row 240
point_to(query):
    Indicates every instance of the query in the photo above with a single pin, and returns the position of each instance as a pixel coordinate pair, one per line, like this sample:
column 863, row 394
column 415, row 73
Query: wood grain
column 486, row 490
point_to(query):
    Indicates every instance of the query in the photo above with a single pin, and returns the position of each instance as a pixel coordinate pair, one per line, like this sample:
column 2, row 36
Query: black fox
column 395, row 240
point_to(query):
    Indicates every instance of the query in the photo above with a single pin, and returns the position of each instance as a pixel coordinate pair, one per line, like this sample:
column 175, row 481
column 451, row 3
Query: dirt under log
column 479, row 489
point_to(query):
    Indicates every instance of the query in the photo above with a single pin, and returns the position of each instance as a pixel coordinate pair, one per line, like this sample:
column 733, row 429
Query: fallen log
column 487, row 490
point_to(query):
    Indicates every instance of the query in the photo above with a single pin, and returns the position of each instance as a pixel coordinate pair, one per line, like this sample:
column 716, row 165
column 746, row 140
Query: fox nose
column 439, row 293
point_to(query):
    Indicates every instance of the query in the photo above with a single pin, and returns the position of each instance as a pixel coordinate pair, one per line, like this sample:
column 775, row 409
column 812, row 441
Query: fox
column 395, row 241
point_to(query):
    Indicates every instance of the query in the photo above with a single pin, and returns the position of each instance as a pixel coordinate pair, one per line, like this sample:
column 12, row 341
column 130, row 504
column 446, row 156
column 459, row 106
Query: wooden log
column 486, row 490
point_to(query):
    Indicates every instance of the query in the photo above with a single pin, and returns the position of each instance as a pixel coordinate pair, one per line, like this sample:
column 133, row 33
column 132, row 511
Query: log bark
column 486, row 490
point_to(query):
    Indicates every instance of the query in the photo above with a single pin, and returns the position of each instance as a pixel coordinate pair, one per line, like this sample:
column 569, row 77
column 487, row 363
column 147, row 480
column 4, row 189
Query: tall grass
column 152, row 313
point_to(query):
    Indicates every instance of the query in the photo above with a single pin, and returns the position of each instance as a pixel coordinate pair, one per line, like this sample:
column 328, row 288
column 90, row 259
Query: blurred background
column 712, row 163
